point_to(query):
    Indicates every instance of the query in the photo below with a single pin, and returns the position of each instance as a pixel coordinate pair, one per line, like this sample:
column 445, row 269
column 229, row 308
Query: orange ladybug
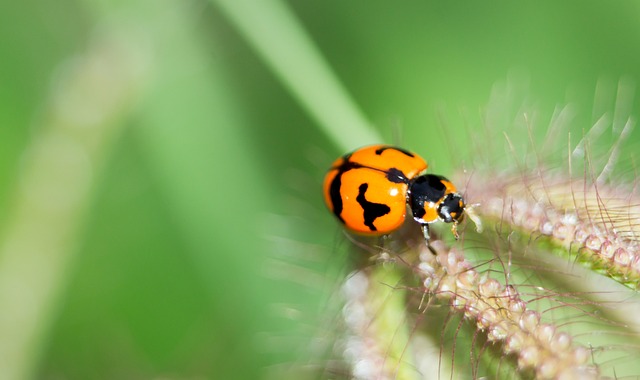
column 369, row 189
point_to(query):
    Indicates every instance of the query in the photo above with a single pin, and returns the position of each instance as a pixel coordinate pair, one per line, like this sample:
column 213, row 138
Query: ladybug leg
column 425, row 232
column 427, row 238
column 454, row 230
column 382, row 254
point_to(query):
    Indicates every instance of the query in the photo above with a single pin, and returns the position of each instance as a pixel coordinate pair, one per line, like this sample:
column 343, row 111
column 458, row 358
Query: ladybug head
column 451, row 209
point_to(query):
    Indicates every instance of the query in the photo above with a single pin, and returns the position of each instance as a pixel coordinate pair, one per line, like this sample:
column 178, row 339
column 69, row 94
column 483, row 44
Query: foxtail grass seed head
column 596, row 222
column 502, row 314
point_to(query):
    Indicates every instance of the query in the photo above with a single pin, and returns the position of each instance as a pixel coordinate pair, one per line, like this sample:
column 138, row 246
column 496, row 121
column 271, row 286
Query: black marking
column 382, row 149
column 424, row 189
column 371, row 210
column 334, row 193
column 418, row 212
column 336, row 184
column 396, row 176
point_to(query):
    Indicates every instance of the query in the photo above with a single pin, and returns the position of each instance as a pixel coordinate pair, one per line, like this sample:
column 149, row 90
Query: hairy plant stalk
column 593, row 223
column 501, row 313
column 377, row 345
column 528, row 300
column 272, row 29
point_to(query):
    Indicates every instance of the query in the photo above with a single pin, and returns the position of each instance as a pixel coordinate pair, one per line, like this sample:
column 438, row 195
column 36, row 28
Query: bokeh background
column 160, row 207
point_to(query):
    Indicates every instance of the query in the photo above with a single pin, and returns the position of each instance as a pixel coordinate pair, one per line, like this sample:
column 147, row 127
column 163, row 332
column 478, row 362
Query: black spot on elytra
column 336, row 184
column 334, row 193
column 379, row 151
column 396, row 176
column 371, row 210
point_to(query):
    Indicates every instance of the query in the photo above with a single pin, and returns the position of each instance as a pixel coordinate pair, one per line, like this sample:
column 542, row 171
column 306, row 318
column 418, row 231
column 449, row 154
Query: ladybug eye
column 452, row 208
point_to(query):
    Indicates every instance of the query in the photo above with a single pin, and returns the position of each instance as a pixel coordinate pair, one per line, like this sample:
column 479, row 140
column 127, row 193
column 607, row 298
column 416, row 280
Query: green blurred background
column 201, row 248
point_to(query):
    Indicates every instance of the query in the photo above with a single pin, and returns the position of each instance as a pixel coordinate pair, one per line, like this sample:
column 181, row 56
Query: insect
column 369, row 190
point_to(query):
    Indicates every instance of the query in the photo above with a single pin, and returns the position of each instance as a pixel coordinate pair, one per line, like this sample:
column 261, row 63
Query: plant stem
column 281, row 41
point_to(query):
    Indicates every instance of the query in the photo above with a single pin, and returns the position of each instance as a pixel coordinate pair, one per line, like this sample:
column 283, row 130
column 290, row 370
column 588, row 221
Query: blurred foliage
column 172, row 276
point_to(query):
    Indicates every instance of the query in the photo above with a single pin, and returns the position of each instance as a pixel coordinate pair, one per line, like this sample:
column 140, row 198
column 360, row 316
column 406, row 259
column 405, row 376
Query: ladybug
column 368, row 190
